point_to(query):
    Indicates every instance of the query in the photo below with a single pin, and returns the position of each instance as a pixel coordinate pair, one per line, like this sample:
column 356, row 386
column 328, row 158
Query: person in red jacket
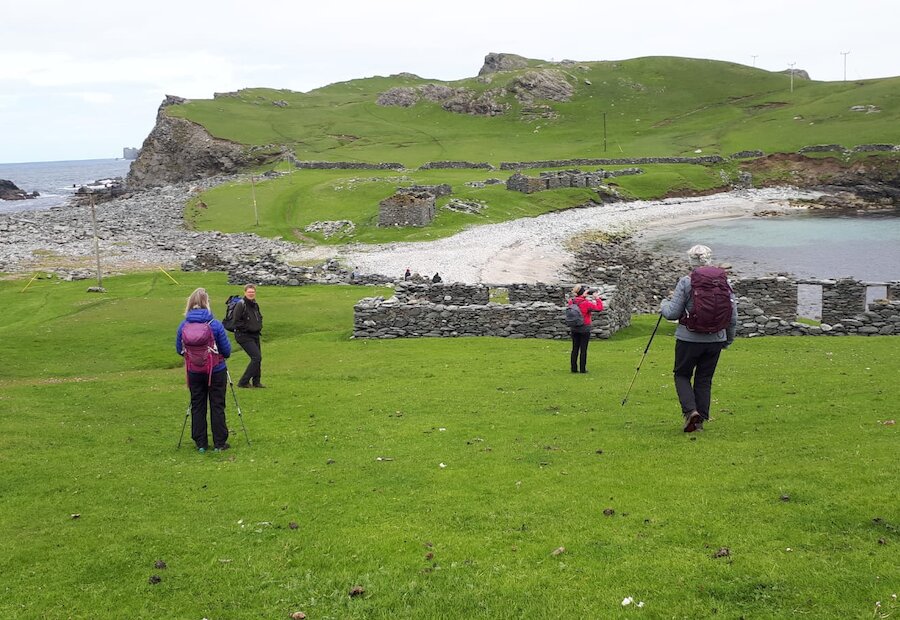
column 582, row 335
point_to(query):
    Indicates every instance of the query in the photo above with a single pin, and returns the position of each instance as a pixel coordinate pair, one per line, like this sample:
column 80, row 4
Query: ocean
column 864, row 245
column 816, row 244
column 56, row 181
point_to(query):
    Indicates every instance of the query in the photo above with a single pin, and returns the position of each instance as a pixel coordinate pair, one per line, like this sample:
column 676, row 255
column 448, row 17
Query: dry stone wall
column 881, row 319
column 563, row 163
column 414, row 313
column 347, row 165
column 455, row 165
column 565, row 178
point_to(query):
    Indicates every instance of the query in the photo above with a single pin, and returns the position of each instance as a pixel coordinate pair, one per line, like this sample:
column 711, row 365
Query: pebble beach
column 147, row 231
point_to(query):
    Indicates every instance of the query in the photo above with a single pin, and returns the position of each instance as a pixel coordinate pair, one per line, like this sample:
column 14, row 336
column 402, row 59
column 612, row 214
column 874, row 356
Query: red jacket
column 586, row 306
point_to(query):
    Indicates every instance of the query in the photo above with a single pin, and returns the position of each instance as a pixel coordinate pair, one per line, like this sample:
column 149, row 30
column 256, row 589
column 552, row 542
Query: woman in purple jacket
column 205, row 385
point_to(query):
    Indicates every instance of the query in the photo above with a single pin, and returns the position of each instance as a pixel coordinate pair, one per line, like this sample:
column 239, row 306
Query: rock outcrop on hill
column 494, row 62
column 459, row 100
column 178, row 150
column 798, row 73
column 542, row 84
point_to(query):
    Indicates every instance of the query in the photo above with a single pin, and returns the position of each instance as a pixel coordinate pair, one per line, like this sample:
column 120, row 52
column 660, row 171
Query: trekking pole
column 231, row 383
column 647, row 348
column 187, row 413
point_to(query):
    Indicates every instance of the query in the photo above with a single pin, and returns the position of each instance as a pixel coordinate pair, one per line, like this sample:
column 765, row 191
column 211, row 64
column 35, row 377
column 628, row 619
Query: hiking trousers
column 203, row 390
column 250, row 344
column 580, row 342
column 695, row 360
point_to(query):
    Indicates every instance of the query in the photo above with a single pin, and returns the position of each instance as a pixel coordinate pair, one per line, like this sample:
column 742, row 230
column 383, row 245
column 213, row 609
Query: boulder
column 495, row 62
column 10, row 191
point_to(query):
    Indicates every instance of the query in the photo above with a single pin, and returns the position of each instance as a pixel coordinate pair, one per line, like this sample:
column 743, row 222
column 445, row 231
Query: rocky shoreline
column 143, row 230
column 146, row 230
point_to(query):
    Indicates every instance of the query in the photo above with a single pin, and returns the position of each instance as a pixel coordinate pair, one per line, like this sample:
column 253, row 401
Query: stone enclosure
column 454, row 310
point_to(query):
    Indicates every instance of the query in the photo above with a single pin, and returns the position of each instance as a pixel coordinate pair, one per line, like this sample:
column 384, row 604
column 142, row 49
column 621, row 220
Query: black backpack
column 230, row 304
column 574, row 318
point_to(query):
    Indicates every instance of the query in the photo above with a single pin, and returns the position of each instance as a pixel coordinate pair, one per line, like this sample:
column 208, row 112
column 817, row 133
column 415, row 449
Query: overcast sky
column 80, row 79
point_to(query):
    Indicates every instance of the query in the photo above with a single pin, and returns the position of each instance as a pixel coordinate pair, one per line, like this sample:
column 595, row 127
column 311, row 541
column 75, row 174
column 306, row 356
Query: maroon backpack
column 199, row 346
column 711, row 295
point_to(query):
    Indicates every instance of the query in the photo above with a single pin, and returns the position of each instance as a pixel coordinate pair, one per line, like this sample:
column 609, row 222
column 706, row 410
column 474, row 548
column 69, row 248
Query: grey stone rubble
column 455, row 310
column 142, row 230
column 331, row 228
column 465, row 206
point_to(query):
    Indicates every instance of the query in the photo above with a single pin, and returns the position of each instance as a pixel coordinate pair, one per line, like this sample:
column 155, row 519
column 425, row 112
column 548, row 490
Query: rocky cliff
column 178, row 150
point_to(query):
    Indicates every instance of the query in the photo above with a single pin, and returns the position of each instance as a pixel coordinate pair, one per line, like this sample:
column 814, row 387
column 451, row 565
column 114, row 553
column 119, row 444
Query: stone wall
column 648, row 276
column 837, row 148
column 406, row 208
column 527, row 293
column 563, row 163
column 564, row 178
column 843, row 297
column 455, row 165
column 746, row 154
column 881, row 319
column 347, row 165
column 410, row 314
column 442, row 293
column 776, row 294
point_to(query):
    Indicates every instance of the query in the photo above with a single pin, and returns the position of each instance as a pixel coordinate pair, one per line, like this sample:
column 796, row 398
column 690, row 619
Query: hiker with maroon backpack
column 203, row 343
column 704, row 305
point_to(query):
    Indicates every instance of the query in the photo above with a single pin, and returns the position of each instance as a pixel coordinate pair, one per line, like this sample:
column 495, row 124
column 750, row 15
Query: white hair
column 699, row 255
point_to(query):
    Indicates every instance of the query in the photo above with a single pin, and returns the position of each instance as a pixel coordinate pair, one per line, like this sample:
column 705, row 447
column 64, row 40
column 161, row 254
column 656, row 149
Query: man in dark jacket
column 696, row 353
column 248, row 322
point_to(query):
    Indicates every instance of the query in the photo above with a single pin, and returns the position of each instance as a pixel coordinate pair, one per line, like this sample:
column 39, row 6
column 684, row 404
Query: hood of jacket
column 199, row 315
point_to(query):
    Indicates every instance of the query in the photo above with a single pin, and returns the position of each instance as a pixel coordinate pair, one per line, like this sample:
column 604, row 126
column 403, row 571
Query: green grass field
column 286, row 205
column 795, row 475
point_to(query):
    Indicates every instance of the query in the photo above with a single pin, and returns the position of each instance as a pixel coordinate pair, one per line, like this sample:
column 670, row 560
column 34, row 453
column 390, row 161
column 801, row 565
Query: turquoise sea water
column 812, row 244
column 56, row 181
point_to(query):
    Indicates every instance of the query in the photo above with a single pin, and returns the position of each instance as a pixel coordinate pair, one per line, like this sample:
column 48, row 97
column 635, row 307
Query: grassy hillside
column 800, row 489
column 654, row 107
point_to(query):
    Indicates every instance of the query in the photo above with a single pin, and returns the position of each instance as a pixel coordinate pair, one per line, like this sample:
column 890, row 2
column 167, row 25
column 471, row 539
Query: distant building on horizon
column 130, row 152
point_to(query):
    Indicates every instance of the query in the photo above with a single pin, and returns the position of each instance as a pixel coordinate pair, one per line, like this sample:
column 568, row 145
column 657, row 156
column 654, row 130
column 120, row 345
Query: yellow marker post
column 33, row 278
column 168, row 276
